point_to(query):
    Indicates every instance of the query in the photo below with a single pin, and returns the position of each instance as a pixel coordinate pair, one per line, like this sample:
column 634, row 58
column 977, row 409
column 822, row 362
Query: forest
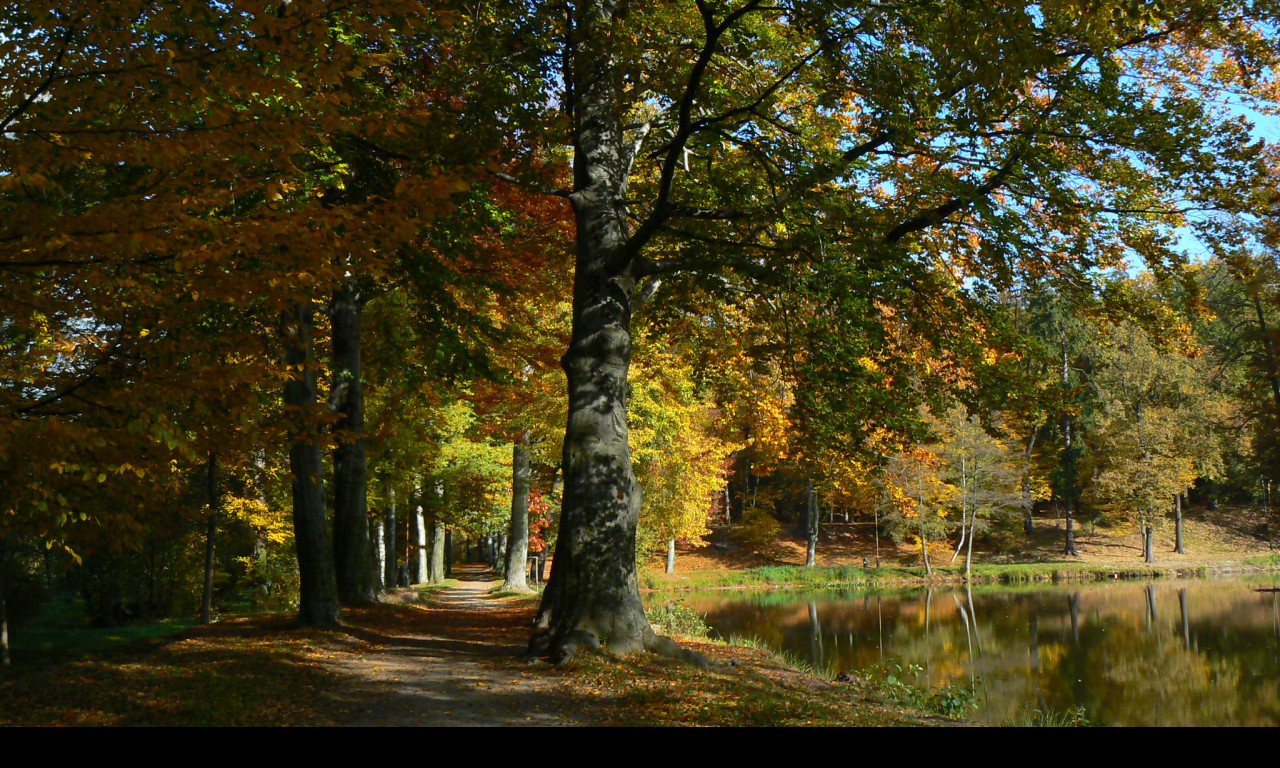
column 304, row 304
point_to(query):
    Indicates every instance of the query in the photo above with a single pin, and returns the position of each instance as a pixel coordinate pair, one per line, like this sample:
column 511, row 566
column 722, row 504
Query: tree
column 917, row 142
column 679, row 459
column 979, row 466
column 1156, row 428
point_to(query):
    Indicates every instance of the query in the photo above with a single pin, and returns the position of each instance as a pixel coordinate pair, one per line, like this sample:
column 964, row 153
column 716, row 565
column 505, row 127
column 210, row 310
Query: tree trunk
column 1177, row 504
column 448, row 553
column 1148, row 536
column 968, row 554
column 876, row 511
column 318, row 594
column 438, row 572
column 418, row 572
column 516, row 575
column 352, row 549
column 924, row 553
column 211, row 530
column 593, row 596
column 1028, row 500
column 671, row 556
column 960, row 545
column 390, row 564
column 811, row 527
column 1070, row 548
column 5, row 660
column 378, row 534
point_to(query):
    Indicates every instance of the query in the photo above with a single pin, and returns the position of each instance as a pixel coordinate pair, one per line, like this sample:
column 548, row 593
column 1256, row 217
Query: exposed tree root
column 541, row 645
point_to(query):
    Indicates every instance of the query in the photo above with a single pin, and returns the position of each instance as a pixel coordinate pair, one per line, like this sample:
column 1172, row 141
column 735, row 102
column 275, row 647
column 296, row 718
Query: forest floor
column 449, row 659
column 1222, row 540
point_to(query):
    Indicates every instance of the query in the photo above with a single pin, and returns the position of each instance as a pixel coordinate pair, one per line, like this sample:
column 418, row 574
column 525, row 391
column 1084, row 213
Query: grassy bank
column 779, row 577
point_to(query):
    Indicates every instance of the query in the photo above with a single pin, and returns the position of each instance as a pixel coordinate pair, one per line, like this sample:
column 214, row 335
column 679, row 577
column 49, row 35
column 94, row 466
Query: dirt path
column 452, row 663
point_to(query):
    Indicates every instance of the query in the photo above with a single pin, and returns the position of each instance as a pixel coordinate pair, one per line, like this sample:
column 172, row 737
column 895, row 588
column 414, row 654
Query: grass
column 1048, row 717
column 986, row 573
column 427, row 592
column 892, row 698
column 756, row 690
column 237, row 673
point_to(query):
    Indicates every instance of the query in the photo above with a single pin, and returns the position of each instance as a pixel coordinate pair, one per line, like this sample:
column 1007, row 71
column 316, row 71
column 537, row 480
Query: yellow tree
column 679, row 458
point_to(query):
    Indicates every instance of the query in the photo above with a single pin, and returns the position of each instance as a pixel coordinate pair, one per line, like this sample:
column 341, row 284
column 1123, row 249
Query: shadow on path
column 452, row 662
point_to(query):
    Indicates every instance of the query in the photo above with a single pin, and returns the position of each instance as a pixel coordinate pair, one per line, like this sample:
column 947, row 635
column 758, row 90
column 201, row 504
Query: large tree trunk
column 318, row 599
column 593, row 596
column 352, row 550
column 516, row 576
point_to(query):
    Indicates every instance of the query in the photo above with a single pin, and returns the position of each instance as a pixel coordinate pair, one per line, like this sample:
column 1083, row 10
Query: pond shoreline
column 799, row 577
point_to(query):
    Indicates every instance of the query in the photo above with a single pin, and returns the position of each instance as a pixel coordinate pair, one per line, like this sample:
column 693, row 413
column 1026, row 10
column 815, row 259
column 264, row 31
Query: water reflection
column 1119, row 650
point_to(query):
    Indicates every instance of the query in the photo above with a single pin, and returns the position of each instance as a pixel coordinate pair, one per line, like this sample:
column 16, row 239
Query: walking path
column 455, row 662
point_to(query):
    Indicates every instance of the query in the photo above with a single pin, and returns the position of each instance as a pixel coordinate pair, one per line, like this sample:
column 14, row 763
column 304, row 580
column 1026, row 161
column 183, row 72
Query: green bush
column 677, row 619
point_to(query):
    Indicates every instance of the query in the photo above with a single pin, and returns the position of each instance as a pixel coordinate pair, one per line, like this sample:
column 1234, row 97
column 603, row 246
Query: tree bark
column 378, row 535
column 352, row 549
column 515, row 578
column 811, row 527
column 1177, row 504
column 318, row 599
column 448, row 553
column 211, row 530
column 390, row 564
column 671, row 555
column 438, row 541
column 593, row 596
column 417, row 557
column 1028, row 500
column 5, row 659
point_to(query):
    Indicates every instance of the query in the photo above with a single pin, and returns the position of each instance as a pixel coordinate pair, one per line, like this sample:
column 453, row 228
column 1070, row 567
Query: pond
column 1195, row 652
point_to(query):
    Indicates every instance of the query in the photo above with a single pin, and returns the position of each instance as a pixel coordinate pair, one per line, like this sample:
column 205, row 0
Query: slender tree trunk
column 811, row 527
column 439, row 542
column 5, row 659
column 318, row 594
column 1177, row 504
column 876, row 511
column 378, row 535
column 963, row 506
column 671, row 556
column 1148, row 542
column 448, row 553
column 211, row 530
column 413, row 555
column 924, row 552
column 960, row 545
column 352, row 549
column 391, row 563
column 419, row 573
column 1070, row 548
column 968, row 554
column 1068, row 457
column 1028, row 500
